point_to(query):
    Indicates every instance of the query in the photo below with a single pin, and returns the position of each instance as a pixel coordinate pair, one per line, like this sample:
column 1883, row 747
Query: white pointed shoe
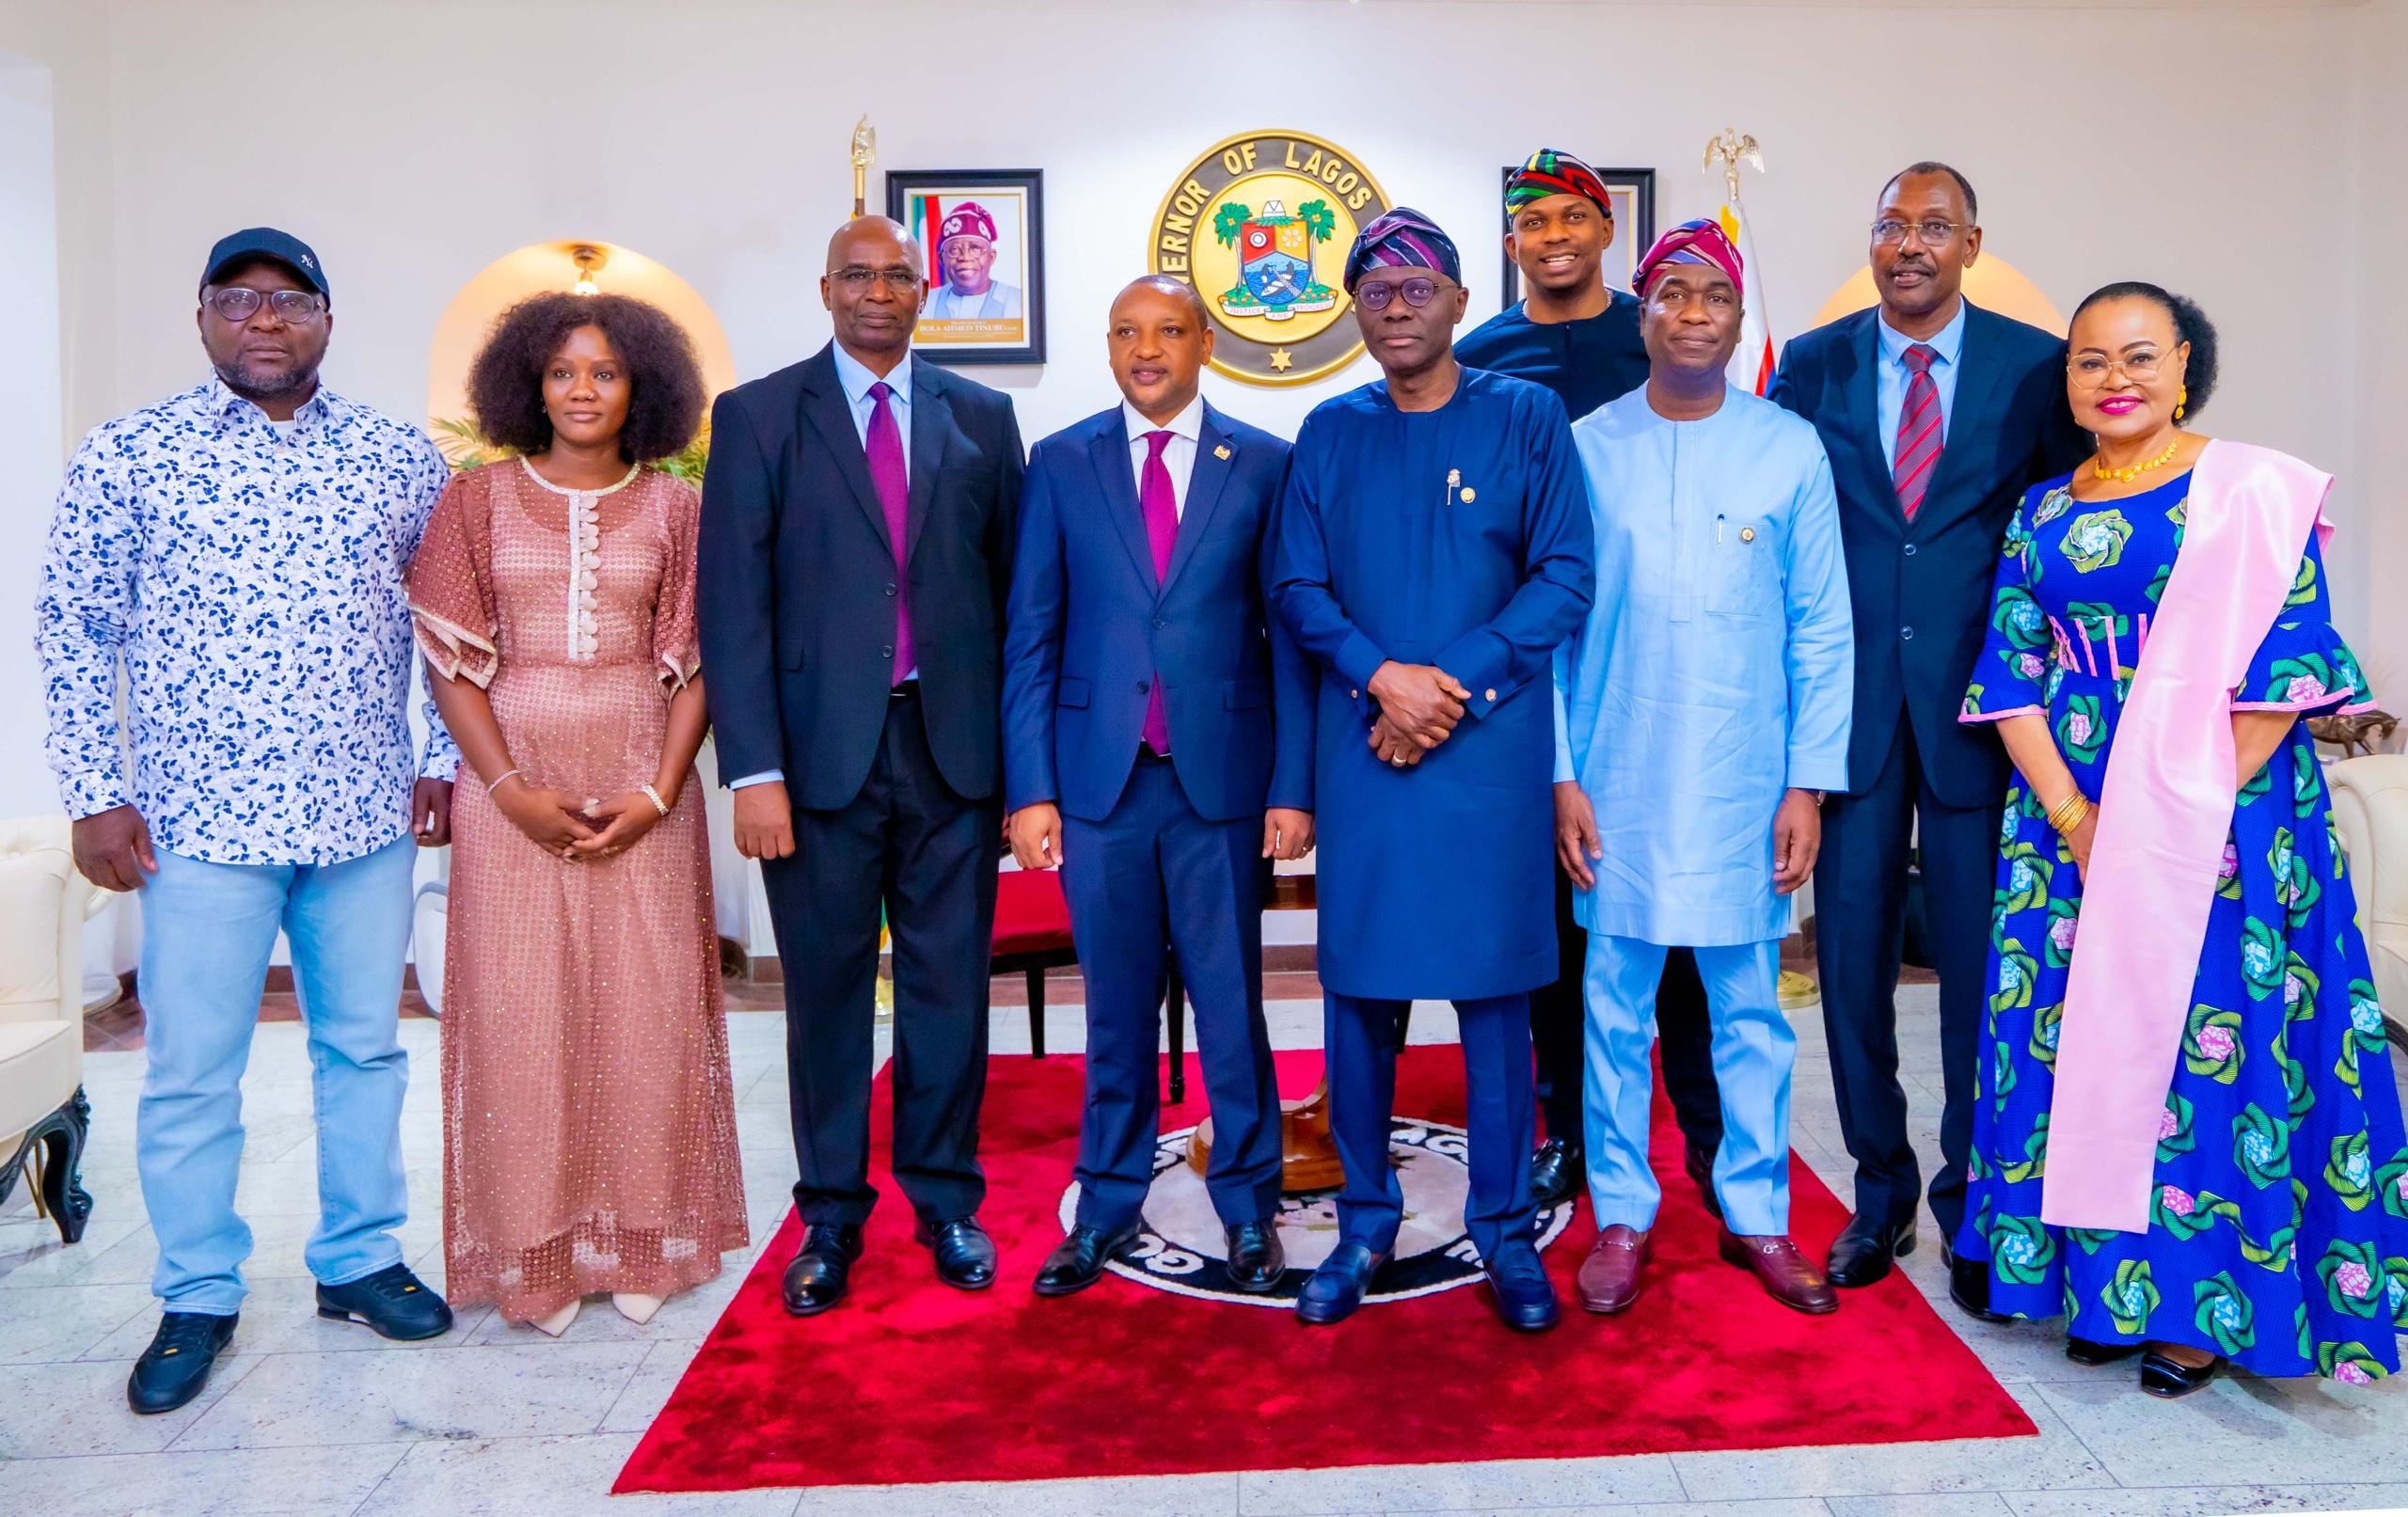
column 558, row 1322
column 635, row 1308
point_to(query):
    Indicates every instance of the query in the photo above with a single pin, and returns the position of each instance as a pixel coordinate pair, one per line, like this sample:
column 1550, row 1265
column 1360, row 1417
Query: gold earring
column 2180, row 401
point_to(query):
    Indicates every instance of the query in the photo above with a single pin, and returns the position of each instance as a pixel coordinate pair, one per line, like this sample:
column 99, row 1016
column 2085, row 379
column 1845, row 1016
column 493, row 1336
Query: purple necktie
column 884, row 447
column 1160, row 506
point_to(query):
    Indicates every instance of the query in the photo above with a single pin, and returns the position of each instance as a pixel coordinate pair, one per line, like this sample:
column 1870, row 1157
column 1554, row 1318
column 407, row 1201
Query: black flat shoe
column 176, row 1366
column 1700, row 1165
column 822, row 1268
column 1336, row 1290
column 393, row 1301
column 2168, row 1381
column 1078, row 1260
column 1861, row 1253
column 1521, row 1292
column 1257, row 1259
column 1556, row 1171
column 2092, row 1351
column 965, row 1254
column 1969, row 1287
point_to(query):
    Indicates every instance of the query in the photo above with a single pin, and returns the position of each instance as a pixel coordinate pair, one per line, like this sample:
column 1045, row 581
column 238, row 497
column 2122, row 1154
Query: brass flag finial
column 865, row 154
column 1729, row 151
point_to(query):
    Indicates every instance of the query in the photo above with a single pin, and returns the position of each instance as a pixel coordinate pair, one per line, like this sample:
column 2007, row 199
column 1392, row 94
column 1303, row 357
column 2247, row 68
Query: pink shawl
column 2163, row 816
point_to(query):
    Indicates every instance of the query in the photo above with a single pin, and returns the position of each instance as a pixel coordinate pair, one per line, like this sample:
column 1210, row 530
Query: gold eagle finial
column 1729, row 151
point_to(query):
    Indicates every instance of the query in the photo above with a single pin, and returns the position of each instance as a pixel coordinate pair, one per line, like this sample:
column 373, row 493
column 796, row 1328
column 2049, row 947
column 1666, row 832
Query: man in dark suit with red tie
column 856, row 553
column 1936, row 415
column 1158, row 748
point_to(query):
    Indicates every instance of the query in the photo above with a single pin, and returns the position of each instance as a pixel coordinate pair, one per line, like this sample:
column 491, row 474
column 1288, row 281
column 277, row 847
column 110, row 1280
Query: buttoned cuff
column 1818, row 771
column 765, row 776
column 1477, row 661
column 1359, row 658
column 88, row 795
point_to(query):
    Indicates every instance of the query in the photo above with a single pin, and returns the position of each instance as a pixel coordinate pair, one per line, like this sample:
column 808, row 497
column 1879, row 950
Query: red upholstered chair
column 1033, row 935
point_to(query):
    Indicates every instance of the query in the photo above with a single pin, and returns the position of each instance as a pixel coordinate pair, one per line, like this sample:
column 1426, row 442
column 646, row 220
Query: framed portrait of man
column 1633, row 193
column 983, row 233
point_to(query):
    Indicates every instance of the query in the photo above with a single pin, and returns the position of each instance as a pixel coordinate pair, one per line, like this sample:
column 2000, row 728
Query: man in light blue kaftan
column 1703, row 707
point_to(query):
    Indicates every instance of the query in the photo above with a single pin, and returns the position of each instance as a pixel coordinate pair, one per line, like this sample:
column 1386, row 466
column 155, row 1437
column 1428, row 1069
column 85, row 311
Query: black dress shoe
column 1700, row 1163
column 2092, row 1351
column 1556, row 1171
column 393, row 1301
column 176, row 1366
column 1337, row 1287
column 1520, row 1290
column 1860, row 1254
column 822, row 1267
column 2166, row 1380
column 1256, row 1256
column 1969, row 1287
column 1077, row 1262
column 965, row 1254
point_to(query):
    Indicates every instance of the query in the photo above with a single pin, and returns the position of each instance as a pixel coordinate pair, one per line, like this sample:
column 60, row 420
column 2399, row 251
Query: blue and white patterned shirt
column 249, row 577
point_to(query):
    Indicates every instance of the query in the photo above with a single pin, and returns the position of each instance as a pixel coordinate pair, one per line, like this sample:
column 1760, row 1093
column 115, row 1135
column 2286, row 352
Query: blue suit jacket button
column 1907, row 634
column 1141, row 686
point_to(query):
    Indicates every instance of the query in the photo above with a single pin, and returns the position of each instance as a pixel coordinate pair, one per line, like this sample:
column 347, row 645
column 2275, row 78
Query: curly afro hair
column 2191, row 325
column 665, row 384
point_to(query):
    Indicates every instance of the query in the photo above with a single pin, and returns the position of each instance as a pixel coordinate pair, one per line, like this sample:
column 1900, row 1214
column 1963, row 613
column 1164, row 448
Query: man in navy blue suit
column 1158, row 748
column 1936, row 415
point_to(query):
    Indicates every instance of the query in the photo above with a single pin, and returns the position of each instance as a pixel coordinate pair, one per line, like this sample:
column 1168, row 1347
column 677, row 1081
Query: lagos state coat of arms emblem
column 1260, row 225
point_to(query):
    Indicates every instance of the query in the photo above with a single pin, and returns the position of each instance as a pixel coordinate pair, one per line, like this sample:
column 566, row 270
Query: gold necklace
column 2125, row 476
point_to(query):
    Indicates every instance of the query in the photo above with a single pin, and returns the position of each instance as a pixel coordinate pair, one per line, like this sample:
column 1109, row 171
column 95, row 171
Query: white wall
column 2203, row 145
column 31, row 419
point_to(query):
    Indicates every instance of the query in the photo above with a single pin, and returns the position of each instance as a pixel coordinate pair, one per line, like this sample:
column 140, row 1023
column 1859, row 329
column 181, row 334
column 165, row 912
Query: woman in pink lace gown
column 589, row 1131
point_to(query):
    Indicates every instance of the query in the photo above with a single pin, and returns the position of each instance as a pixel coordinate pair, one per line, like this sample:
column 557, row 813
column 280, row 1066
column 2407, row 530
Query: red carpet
column 909, row 1381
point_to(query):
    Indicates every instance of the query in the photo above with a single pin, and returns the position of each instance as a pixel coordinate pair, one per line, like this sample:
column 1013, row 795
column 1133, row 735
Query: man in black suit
column 857, row 534
column 1937, row 415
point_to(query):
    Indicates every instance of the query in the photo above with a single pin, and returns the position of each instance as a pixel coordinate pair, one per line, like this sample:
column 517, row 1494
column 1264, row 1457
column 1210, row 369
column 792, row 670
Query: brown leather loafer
column 1609, row 1275
column 1787, row 1275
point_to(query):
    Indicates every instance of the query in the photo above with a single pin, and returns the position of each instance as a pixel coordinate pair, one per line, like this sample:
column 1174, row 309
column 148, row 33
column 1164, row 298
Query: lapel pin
column 1469, row 495
column 1222, row 451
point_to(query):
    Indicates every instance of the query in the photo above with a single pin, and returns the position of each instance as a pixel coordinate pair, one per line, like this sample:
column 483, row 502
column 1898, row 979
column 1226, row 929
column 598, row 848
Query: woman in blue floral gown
column 2279, row 1238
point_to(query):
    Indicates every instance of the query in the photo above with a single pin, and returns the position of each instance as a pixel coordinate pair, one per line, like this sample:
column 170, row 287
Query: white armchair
column 44, row 1114
column 2371, row 809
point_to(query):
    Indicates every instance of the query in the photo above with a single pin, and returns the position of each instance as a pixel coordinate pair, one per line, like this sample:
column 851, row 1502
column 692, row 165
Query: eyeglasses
column 239, row 303
column 856, row 278
column 1418, row 292
column 2090, row 370
column 1890, row 234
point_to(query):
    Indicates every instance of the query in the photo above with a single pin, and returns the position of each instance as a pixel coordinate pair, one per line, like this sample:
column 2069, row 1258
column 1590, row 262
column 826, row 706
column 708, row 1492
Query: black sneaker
column 392, row 1301
column 176, row 1366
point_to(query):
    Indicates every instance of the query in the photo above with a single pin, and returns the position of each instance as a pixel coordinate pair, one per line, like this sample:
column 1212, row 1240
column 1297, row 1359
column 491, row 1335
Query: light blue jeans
column 208, row 931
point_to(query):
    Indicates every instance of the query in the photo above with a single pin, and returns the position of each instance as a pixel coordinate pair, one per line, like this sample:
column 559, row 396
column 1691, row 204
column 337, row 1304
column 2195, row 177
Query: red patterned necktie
column 883, row 450
column 1158, row 505
column 1919, row 432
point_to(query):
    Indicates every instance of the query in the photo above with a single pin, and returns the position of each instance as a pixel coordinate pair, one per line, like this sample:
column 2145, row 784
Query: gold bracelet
column 2069, row 813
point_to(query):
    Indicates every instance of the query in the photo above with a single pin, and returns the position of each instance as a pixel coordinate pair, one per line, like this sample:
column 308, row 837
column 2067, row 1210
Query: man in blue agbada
column 1702, row 710
column 1433, row 549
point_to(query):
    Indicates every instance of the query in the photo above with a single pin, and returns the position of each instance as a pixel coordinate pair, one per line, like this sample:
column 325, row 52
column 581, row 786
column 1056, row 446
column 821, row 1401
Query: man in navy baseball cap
column 265, row 317
column 253, row 244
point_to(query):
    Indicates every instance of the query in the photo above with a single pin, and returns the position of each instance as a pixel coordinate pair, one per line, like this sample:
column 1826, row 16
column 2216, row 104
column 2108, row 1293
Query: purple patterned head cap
column 1401, row 238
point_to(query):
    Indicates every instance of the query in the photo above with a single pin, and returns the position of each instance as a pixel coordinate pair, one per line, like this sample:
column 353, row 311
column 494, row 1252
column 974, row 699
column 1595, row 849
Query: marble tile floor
column 314, row 1419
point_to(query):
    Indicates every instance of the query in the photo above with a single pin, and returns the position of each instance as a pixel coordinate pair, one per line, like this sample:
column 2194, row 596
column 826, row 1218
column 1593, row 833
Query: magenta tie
column 1919, row 432
column 1160, row 506
column 884, row 446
